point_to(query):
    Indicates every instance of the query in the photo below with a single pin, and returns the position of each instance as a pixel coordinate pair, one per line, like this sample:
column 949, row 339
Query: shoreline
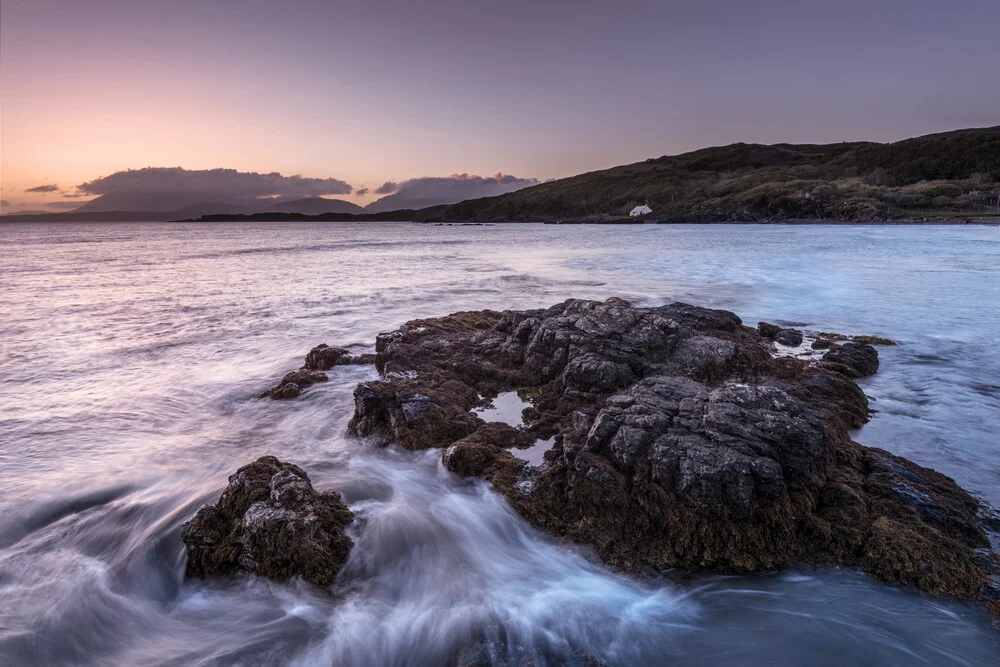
column 985, row 221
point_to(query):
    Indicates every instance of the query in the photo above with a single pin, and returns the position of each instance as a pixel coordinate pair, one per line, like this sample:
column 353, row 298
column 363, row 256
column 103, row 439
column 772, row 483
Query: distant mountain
column 189, row 204
column 93, row 216
column 400, row 201
column 312, row 206
column 207, row 209
column 950, row 174
column 28, row 211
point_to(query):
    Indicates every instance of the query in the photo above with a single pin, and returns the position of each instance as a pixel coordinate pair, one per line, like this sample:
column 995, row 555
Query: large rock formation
column 680, row 441
column 270, row 522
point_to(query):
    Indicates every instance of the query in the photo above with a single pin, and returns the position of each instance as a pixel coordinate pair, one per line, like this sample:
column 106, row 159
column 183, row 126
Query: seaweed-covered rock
column 270, row 522
column 320, row 358
column 854, row 360
column 323, row 357
column 293, row 383
column 768, row 330
column 789, row 337
column 680, row 441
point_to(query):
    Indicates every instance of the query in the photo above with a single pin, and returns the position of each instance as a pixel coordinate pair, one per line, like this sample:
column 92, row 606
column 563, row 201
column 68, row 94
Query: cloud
column 222, row 183
column 4, row 202
column 64, row 204
column 464, row 186
column 436, row 190
column 173, row 188
column 44, row 188
column 361, row 192
column 387, row 188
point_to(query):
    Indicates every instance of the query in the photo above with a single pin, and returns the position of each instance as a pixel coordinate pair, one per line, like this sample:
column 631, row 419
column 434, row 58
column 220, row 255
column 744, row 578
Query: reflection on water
column 507, row 408
column 129, row 355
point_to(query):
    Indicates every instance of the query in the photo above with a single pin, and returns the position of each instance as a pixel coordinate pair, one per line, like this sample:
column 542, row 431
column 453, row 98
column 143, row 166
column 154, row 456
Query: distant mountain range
column 950, row 174
column 144, row 207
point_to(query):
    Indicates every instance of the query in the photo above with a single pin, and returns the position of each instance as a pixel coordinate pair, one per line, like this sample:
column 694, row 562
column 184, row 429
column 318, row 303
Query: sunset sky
column 370, row 91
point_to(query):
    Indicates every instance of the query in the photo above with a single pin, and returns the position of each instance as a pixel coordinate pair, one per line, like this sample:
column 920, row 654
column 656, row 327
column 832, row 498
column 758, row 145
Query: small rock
column 768, row 330
column 789, row 337
column 270, row 522
column 873, row 340
column 293, row 383
column 323, row 357
column 852, row 359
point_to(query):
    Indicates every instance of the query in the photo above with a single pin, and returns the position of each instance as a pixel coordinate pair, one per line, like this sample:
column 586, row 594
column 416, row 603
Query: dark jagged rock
column 768, row 330
column 320, row 358
column 680, row 441
column 873, row 340
column 789, row 337
column 854, row 360
column 821, row 344
column 323, row 358
column 293, row 383
column 270, row 522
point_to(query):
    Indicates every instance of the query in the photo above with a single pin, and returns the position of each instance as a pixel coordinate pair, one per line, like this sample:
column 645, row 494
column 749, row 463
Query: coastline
column 980, row 220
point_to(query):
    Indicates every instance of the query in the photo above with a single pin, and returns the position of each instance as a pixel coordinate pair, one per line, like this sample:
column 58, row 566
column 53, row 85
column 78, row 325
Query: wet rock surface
column 270, row 522
column 320, row 358
column 789, row 337
column 680, row 441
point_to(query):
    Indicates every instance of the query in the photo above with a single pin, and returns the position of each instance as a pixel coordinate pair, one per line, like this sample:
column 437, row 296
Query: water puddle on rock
column 533, row 455
column 508, row 407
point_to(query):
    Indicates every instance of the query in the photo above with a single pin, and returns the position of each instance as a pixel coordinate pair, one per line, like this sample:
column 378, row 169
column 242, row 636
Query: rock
column 293, row 383
column 270, row 522
column 323, row 357
column 873, row 340
column 789, row 337
column 320, row 358
column 679, row 441
column 821, row 344
column 989, row 517
column 852, row 359
column 768, row 330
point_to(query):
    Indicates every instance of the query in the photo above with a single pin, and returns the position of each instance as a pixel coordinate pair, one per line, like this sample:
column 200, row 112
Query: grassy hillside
column 956, row 173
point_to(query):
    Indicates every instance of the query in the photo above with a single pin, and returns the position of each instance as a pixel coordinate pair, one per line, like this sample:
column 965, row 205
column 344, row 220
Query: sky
column 373, row 91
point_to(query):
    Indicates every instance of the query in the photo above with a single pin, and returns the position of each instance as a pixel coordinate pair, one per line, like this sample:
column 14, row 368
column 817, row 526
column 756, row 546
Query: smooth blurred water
column 129, row 355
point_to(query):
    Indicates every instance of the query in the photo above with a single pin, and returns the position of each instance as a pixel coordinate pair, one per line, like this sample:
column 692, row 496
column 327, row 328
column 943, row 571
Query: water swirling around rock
column 131, row 355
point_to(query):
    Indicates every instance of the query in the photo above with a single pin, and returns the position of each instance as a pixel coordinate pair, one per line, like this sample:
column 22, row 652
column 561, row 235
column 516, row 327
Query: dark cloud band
column 215, row 183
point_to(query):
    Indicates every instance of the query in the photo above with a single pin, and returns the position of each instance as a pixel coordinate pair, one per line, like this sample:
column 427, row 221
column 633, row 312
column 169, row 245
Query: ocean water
column 130, row 355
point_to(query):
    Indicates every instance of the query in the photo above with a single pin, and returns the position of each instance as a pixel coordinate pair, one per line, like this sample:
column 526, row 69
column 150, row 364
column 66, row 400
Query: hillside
column 315, row 206
column 955, row 173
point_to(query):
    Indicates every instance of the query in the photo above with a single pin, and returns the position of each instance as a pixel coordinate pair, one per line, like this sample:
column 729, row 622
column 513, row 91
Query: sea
column 130, row 356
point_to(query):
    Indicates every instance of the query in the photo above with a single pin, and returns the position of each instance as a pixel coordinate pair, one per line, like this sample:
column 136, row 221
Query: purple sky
column 373, row 91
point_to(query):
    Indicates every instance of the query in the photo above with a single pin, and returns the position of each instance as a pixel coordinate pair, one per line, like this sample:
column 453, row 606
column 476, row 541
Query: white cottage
column 640, row 210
